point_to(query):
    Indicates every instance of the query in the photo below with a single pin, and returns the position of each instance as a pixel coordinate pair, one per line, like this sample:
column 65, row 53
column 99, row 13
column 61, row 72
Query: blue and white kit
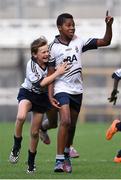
column 31, row 89
column 117, row 74
column 71, row 82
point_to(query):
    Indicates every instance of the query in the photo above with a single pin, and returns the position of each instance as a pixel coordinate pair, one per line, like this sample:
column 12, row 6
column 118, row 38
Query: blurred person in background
column 116, row 124
column 67, row 91
column 33, row 97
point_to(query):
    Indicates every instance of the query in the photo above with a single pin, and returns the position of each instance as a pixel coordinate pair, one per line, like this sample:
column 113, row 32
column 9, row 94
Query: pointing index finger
column 107, row 13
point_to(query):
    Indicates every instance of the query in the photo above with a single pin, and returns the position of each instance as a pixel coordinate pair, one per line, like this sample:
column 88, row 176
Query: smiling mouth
column 71, row 32
column 45, row 59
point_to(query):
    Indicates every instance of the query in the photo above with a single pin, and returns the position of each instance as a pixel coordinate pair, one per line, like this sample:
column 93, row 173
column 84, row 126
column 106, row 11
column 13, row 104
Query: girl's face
column 68, row 28
column 42, row 54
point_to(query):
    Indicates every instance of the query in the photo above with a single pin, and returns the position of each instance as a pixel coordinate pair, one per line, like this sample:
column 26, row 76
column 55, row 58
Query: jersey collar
column 56, row 40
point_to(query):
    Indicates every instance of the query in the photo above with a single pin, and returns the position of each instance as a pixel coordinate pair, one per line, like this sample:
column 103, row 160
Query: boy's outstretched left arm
column 106, row 40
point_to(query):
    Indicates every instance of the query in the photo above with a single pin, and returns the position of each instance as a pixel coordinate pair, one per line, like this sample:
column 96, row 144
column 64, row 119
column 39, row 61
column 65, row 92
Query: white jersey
column 34, row 75
column 71, row 82
column 117, row 74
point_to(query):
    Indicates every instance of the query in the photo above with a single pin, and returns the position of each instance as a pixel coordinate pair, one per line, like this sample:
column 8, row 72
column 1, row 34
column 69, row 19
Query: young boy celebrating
column 67, row 91
column 33, row 97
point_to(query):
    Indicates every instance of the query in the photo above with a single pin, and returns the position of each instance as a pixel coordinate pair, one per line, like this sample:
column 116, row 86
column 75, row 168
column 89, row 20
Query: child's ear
column 34, row 55
column 59, row 28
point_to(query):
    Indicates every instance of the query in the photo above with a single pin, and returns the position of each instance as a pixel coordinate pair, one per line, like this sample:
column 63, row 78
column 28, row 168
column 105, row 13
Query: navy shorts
column 40, row 102
column 74, row 101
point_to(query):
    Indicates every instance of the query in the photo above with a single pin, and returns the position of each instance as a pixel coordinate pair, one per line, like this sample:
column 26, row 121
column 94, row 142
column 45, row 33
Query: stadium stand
column 19, row 28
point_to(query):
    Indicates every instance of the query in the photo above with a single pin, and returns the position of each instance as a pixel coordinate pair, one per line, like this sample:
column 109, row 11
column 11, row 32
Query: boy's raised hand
column 108, row 19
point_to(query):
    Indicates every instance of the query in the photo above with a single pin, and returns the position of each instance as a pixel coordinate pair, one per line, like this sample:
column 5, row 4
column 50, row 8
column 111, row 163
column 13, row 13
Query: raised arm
column 106, row 40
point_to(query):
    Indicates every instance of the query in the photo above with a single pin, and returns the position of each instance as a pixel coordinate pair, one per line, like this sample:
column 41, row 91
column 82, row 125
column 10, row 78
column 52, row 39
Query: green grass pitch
column 95, row 161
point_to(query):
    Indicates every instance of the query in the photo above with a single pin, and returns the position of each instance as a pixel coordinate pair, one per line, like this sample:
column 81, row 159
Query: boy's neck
column 63, row 39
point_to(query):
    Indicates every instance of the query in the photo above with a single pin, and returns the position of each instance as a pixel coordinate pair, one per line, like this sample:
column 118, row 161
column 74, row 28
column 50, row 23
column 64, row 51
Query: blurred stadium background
column 21, row 21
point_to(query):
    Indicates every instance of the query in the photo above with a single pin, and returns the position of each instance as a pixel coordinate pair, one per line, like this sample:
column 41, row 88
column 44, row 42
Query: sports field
column 95, row 161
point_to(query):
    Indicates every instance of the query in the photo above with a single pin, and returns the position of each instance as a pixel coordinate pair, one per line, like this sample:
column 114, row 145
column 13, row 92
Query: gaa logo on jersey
column 76, row 49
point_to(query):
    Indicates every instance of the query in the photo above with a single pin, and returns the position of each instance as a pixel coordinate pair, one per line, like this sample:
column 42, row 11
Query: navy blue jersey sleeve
column 38, row 88
column 51, row 63
column 90, row 44
column 115, row 76
column 37, row 84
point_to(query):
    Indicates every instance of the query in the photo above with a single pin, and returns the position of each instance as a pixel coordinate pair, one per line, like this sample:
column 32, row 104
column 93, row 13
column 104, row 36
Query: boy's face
column 67, row 29
column 42, row 54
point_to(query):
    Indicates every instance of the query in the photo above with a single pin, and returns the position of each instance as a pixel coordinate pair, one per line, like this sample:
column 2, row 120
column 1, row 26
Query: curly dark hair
column 61, row 18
